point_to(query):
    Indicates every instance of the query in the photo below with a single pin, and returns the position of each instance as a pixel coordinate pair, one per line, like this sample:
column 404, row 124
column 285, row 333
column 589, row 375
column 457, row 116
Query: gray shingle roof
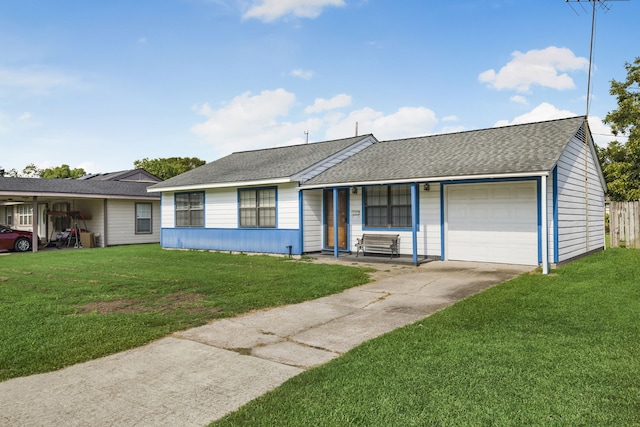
column 139, row 175
column 271, row 163
column 38, row 186
column 532, row 147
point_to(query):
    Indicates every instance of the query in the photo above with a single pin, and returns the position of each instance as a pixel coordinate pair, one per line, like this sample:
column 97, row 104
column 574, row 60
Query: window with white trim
column 143, row 218
column 190, row 209
column 25, row 215
column 387, row 206
column 257, row 208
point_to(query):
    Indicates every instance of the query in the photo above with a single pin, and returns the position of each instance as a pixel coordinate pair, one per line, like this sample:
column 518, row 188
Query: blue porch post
column 414, row 221
column 301, row 220
column 335, row 222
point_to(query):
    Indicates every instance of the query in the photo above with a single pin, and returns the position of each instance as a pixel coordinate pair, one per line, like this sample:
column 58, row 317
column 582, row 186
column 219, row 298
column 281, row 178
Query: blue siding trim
column 539, row 190
column 414, row 219
column 555, row 215
column 336, row 245
column 442, row 188
column 301, row 219
column 267, row 240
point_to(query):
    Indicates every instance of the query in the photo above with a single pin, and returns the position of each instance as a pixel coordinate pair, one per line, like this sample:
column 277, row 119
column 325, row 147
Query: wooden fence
column 624, row 224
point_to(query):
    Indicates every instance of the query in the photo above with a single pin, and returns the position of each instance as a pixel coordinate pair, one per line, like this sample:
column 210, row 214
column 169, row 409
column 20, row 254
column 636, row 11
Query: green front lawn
column 559, row 350
column 62, row 307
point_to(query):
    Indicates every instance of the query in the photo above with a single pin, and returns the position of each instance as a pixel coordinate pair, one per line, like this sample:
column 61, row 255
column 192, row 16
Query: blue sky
column 100, row 84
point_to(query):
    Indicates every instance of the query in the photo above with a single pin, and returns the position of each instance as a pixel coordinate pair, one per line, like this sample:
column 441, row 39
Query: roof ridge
column 484, row 129
column 302, row 145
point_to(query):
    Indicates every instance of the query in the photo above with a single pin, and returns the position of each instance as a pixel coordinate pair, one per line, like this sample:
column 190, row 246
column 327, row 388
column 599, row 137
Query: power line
column 602, row 4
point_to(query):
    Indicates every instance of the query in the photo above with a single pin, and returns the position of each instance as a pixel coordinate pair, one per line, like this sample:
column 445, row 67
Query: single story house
column 113, row 209
column 528, row 194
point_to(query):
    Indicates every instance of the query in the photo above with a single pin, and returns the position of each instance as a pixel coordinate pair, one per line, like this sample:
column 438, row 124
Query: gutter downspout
column 35, row 218
column 301, row 220
column 545, row 225
column 335, row 222
column 414, row 219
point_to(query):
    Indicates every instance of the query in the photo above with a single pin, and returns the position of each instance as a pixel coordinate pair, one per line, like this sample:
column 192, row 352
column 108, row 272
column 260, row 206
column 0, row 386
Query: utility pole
column 603, row 6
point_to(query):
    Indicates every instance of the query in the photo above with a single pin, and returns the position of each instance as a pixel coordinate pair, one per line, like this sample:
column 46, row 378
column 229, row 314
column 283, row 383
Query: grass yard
column 58, row 308
column 539, row 350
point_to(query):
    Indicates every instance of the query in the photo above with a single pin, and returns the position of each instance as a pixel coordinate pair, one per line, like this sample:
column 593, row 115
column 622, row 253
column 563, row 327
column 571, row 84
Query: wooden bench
column 378, row 243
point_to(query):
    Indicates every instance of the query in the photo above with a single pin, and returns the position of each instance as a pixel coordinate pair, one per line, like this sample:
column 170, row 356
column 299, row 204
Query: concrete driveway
column 197, row 376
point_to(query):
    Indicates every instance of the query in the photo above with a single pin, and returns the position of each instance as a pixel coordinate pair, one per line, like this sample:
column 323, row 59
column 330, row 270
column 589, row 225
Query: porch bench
column 378, row 243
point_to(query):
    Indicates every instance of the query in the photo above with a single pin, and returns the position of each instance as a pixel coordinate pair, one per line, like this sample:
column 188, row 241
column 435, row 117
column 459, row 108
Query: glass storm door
column 329, row 234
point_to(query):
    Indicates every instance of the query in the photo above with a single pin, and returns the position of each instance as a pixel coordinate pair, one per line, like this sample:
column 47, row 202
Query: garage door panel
column 494, row 222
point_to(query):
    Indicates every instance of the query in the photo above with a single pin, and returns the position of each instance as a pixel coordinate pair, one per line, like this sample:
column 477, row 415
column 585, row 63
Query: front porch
column 373, row 258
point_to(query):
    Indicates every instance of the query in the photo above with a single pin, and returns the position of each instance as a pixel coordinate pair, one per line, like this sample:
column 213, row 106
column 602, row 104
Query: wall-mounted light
column 426, row 187
column 354, row 190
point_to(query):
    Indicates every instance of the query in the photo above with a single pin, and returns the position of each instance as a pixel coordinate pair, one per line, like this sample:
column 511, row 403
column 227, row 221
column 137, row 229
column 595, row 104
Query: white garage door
column 495, row 222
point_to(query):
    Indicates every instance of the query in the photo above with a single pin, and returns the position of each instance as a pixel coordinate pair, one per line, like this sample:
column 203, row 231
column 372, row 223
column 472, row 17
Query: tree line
column 163, row 168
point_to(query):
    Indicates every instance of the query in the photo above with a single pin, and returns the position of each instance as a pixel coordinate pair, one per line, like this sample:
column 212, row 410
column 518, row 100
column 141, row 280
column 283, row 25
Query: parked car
column 15, row 240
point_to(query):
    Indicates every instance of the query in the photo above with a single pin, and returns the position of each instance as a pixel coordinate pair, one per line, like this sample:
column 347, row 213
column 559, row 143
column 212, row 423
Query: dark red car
column 15, row 240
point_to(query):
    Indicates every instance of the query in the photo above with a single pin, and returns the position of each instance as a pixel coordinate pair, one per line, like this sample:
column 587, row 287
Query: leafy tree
column 63, row 171
column 31, row 171
column 621, row 162
column 166, row 168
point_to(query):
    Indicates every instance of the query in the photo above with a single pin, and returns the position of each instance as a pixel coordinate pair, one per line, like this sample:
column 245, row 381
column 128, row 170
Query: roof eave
column 517, row 175
column 214, row 185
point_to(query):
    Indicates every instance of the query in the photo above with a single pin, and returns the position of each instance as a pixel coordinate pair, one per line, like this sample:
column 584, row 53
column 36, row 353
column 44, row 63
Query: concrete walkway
column 197, row 376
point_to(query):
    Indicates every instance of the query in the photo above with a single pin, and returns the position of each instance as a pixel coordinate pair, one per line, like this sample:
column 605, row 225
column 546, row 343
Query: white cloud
column 143, row 40
column 252, row 121
column 406, row 122
column 270, row 10
column 34, row 80
column 519, row 99
column 451, row 119
column 547, row 67
column 542, row 112
column 303, row 74
column 321, row 104
column 24, row 116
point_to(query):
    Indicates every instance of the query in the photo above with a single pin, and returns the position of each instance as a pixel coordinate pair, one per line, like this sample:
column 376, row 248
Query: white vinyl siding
column 312, row 208
column 288, row 213
column 494, row 222
column 167, row 210
column 429, row 223
column 572, row 202
column 121, row 223
column 221, row 208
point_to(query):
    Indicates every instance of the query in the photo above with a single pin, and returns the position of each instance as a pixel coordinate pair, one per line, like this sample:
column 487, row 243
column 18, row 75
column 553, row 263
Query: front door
column 329, row 234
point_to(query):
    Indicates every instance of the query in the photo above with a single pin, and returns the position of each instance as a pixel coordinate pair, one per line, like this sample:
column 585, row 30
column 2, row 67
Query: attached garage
column 492, row 222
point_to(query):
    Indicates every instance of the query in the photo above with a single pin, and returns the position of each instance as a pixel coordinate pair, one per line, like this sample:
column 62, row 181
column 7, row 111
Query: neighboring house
column 117, row 210
column 527, row 194
column 134, row 175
